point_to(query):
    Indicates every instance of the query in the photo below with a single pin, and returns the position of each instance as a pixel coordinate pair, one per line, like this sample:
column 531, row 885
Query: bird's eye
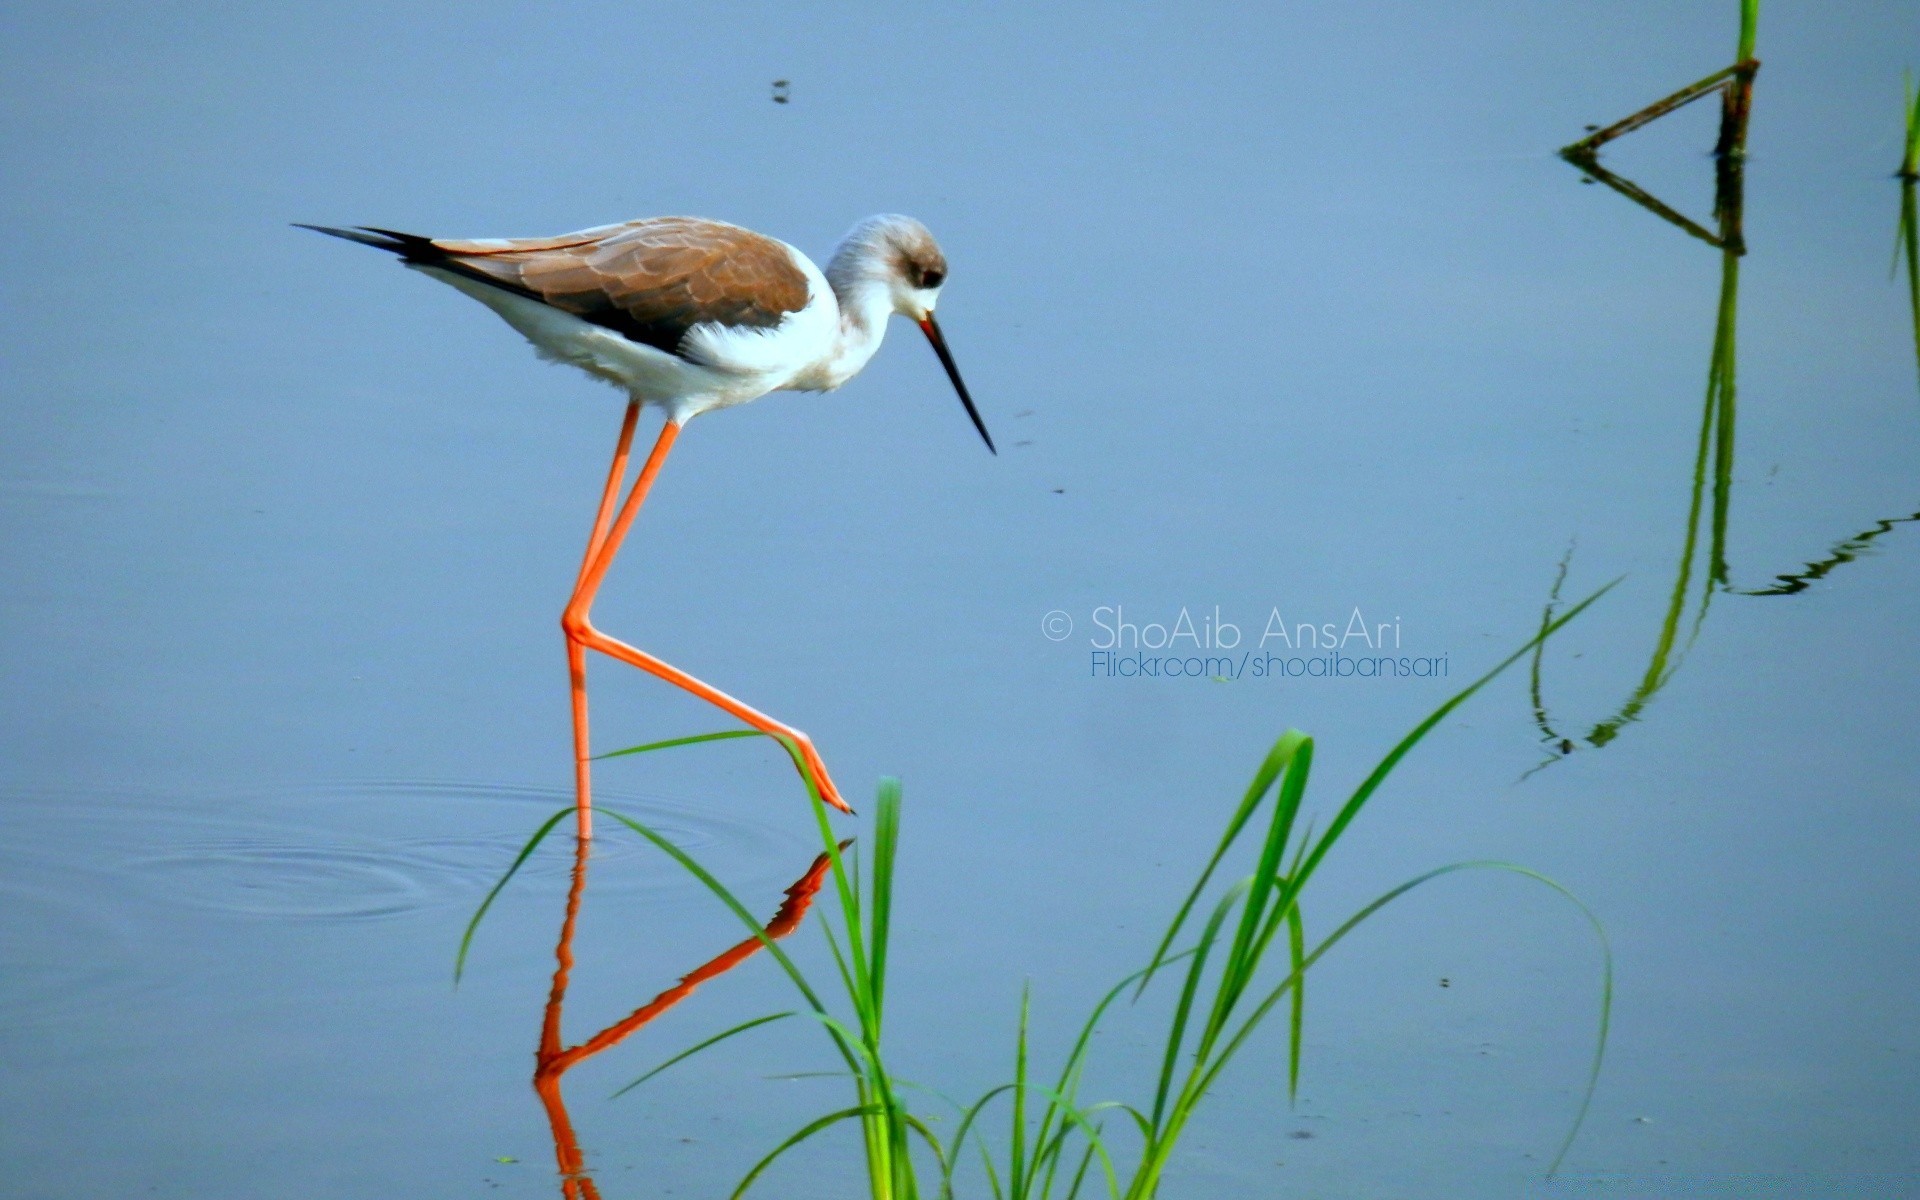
column 933, row 278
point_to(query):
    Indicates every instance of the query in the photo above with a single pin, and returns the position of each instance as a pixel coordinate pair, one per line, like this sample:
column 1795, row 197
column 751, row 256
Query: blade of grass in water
column 860, row 955
column 670, row 743
column 526, row 851
column 802, row 1134
column 1353, row 922
column 697, row 1047
column 466, row 938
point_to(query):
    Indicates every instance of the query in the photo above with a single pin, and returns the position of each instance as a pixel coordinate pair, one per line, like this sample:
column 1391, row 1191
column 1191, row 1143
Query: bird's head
column 899, row 253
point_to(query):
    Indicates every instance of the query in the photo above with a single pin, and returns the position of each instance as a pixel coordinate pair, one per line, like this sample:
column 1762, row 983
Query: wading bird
column 687, row 315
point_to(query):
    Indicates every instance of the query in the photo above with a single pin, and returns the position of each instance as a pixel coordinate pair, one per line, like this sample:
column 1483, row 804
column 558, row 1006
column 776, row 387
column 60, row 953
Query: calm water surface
column 1268, row 310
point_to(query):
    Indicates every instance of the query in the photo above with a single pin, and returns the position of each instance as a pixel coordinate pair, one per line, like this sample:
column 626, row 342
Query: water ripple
column 367, row 850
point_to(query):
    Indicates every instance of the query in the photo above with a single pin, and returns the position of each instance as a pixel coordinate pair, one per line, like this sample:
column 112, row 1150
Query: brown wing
column 650, row 280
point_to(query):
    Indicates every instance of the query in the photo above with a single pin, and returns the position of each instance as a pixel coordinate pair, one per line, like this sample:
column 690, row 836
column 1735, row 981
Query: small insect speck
column 1301, row 1135
column 1059, row 491
column 782, row 91
column 1025, row 412
column 1445, row 982
column 1593, row 129
column 1028, row 442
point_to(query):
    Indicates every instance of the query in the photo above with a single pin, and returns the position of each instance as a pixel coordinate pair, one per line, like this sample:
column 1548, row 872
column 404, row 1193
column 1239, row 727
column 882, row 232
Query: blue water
column 1268, row 310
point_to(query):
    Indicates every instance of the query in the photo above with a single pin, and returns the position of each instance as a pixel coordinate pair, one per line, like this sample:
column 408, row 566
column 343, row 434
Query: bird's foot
column 811, row 767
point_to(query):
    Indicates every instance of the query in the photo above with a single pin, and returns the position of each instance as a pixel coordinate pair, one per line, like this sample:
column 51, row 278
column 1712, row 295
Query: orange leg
column 582, row 636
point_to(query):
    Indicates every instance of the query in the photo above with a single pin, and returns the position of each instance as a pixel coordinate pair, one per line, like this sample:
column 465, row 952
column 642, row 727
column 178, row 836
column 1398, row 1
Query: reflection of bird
column 688, row 315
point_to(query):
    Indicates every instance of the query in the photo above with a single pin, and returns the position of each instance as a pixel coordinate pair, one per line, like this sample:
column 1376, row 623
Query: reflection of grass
column 1905, row 240
column 1904, row 236
column 1845, row 552
column 1712, row 491
column 1710, row 497
column 1224, row 991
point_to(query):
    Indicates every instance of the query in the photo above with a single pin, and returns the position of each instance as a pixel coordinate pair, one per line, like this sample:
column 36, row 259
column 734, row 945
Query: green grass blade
column 1080, row 1172
column 1076, row 1058
column 860, row 990
column 1177, row 1032
column 806, row 1131
column 1244, row 956
column 1253, row 1020
column 670, row 743
column 739, row 910
column 840, row 962
column 1276, row 762
column 926, row 1135
column 697, row 1047
column 1087, row 1129
column 1385, row 768
column 1910, row 162
column 967, row 1119
column 466, row 938
column 1297, row 1019
column 1017, row 1182
column 886, row 845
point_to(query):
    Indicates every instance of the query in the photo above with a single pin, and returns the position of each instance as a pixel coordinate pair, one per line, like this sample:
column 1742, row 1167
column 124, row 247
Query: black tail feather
column 411, row 247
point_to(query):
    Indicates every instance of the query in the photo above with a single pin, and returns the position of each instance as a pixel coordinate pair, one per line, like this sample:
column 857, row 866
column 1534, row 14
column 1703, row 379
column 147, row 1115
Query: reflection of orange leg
column 554, row 1058
column 582, row 636
column 575, row 1183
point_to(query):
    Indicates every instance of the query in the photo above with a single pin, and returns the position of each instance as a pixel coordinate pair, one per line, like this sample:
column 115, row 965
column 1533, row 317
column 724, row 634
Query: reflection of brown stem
column 1730, row 156
column 1735, row 85
column 1640, row 196
column 554, row 1059
column 1660, row 108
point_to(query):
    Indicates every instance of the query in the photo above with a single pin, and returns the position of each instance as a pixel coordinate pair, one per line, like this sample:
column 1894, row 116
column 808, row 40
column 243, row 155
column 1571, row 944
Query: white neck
column 858, row 275
column 865, row 305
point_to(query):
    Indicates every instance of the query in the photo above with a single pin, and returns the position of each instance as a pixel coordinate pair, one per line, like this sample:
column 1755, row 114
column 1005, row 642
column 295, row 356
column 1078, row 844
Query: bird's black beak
column 932, row 331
